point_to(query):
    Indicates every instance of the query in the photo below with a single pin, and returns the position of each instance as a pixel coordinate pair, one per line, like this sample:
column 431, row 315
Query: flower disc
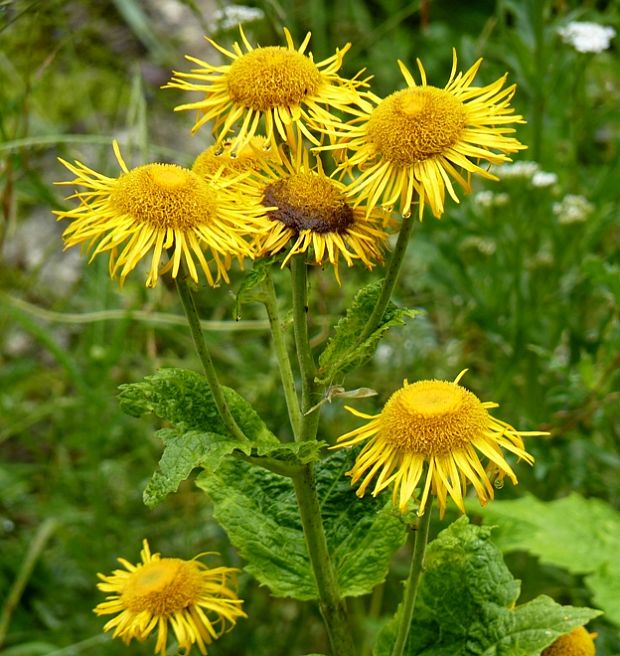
column 271, row 77
column 162, row 587
column 576, row 643
column 432, row 417
column 164, row 196
column 412, row 125
column 308, row 202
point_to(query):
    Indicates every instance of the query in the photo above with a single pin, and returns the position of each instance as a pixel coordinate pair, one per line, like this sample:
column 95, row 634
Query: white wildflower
column 544, row 179
column 487, row 199
column 573, row 208
column 587, row 37
column 522, row 169
column 233, row 15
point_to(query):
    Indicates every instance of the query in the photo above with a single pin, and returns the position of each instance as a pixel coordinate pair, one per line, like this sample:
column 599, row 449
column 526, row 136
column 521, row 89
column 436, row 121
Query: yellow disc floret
column 414, row 124
column 164, row 196
column 220, row 157
column 162, row 587
column 272, row 77
column 576, row 643
column 432, row 417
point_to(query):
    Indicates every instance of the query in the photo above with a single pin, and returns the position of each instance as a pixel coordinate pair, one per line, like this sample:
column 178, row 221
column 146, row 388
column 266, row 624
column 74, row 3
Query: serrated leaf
column 259, row 512
column 183, row 398
column 199, row 437
column 466, row 604
column 343, row 352
column 183, row 452
column 580, row 535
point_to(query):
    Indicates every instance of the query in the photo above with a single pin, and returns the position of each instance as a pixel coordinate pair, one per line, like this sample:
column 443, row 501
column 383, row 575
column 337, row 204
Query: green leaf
column 183, row 398
column 466, row 604
column 259, row 512
column 343, row 352
column 199, row 437
column 580, row 535
column 251, row 288
column 183, row 452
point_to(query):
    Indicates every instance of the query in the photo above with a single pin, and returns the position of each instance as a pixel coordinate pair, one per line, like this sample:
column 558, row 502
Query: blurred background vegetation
column 517, row 285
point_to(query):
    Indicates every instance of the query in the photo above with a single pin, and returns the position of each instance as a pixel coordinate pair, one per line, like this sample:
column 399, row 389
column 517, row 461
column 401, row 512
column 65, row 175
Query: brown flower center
column 271, row 77
column 412, row 125
column 308, row 202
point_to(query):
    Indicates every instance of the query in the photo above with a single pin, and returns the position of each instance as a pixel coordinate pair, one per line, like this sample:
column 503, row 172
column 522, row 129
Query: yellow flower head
column 315, row 211
column 197, row 602
column 282, row 85
column 158, row 207
column 444, row 425
column 220, row 157
column 412, row 144
column 576, row 643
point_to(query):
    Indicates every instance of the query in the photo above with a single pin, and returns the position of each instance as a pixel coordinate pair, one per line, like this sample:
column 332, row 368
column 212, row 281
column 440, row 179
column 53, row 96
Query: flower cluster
column 304, row 163
column 265, row 187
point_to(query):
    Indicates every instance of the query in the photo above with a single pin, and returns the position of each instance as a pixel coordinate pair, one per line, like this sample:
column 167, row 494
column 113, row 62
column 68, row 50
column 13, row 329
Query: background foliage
column 511, row 288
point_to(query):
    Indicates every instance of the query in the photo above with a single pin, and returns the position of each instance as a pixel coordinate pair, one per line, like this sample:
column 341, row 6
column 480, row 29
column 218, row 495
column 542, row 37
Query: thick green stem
column 331, row 603
column 309, row 389
column 411, row 586
column 279, row 342
column 193, row 320
column 391, row 278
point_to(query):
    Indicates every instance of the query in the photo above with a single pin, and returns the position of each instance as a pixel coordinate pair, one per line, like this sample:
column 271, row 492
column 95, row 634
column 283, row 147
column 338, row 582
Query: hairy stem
column 411, row 586
column 391, row 278
column 309, row 390
column 331, row 603
column 284, row 363
column 193, row 320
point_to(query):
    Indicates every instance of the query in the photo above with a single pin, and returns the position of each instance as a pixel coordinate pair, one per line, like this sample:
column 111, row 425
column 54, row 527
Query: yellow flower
column 283, row 85
column 315, row 211
column 412, row 144
column 576, row 643
column 158, row 593
column 162, row 207
column 444, row 425
column 220, row 157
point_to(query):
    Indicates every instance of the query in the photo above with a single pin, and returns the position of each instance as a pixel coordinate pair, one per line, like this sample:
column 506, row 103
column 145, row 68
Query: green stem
column 391, row 278
column 193, row 320
column 279, row 342
column 411, row 585
column 309, row 389
column 331, row 603
column 539, row 89
column 42, row 536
